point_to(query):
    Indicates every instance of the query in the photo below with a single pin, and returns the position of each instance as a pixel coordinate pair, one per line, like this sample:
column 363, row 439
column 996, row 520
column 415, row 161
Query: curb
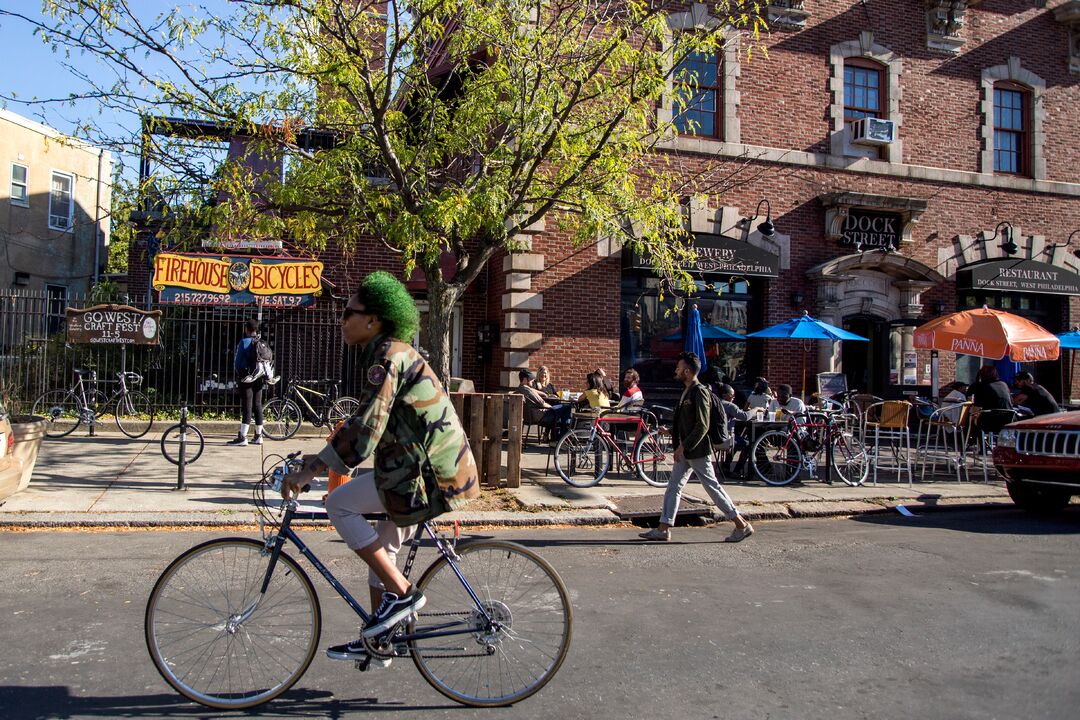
column 594, row 518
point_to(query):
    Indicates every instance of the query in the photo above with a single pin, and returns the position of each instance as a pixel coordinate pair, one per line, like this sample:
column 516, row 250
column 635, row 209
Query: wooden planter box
column 493, row 423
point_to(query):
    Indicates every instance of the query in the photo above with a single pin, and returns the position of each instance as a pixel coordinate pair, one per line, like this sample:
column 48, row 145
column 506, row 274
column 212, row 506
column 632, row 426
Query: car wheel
column 1038, row 498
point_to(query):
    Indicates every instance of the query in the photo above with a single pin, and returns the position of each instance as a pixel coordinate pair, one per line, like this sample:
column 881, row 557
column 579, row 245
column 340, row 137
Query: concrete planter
column 28, row 431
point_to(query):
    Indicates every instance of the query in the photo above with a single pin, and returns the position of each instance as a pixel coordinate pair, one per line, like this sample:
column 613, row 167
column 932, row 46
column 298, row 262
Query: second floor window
column 61, row 205
column 862, row 91
column 698, row 95
column 1010, row 130
column 19, row 192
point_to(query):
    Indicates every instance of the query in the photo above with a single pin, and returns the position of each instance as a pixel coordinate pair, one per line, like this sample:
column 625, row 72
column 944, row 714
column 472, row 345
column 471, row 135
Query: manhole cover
column 635, row 507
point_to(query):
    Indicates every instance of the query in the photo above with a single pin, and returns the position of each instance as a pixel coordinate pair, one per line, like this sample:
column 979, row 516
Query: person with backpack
column 251, row 361
column 693, row 454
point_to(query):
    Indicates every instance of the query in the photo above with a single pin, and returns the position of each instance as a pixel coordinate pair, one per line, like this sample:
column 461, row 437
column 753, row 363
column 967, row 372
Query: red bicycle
column 583, row 457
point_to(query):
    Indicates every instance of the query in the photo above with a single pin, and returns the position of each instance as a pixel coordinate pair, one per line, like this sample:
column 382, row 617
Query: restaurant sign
column 727, row 256
column 113, row 325
column 868, row 230
column 1018, row 276
column 188, row 279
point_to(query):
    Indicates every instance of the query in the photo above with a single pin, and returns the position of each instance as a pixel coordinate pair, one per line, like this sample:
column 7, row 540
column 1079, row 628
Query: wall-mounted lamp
column 939, row 308
column 767, row 229
column 1007, row 243
column 797, row 298
column 21, row 278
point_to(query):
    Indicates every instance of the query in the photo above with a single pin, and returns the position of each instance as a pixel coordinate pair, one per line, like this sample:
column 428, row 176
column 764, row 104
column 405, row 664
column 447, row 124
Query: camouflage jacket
column 423, row 465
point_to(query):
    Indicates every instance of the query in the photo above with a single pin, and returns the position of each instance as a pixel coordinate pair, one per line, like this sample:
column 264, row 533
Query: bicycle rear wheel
column 281, row 419
column 654, row 458
column 581, row 459
column 850, row 459
column 492, row 666
column 62, row 411
column 776, row 458
column 342, row 409
column 220, row 642
column 134, row 414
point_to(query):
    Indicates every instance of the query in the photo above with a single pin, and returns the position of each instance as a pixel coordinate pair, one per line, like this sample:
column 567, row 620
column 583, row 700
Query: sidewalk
column 113, row 480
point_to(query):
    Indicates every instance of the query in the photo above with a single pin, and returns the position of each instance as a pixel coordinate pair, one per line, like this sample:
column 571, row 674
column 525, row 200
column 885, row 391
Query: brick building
column 917, row 158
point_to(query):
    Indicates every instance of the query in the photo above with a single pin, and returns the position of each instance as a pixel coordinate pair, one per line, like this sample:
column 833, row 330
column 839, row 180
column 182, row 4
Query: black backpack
column 257, row 352
column 718, row 426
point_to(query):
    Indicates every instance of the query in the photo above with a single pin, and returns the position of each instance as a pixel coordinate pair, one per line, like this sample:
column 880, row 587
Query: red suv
column 1040, row 460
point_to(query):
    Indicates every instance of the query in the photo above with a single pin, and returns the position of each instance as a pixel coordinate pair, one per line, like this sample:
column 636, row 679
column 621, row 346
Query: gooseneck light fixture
column 1004, row 230
column 767, row 229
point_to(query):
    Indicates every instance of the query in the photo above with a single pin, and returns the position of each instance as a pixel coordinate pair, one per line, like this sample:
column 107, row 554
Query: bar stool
column 888, row 422
column 987, row 424
column 943, row 439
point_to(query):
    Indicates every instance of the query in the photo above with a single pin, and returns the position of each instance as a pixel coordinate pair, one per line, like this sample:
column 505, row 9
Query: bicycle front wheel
column 505, row 661
column 218, row 640
column 581, row 459
column 62, row 411
column 281, row 419
column 850, row 459
column 776, row 458
column 134, row 414
column 654, row 458
column 342, row 409
column 193, row 444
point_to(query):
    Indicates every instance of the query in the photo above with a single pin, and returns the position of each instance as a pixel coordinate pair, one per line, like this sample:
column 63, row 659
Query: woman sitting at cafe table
column 544, row 385
column 595, row 396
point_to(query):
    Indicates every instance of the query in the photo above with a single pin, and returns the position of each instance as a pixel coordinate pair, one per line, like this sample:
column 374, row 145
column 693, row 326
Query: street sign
column 113, row 325
column 191, row 279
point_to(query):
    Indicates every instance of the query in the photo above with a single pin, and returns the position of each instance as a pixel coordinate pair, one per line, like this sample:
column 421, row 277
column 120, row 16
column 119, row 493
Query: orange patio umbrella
column 990, row 334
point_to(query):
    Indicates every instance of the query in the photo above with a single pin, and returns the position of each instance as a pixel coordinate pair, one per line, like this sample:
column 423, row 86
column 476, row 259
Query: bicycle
column 66, row 409
column 234, row 622
column 282, row 415
column 583, row 457
column 778, row 456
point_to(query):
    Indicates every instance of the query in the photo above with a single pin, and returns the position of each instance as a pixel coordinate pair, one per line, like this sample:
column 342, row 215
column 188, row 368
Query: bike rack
column 181, row 465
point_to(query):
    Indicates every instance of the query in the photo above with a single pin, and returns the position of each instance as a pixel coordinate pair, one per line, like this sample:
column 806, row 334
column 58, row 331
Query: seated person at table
column 953, row 395
column 761, row 397
column 544, row 385
column 608, row 385
column 790, row 405
column 538, row 410
column 633, row 397
column 596, row 395
column 989, row 393
column 734, row 415
column 1033, row 396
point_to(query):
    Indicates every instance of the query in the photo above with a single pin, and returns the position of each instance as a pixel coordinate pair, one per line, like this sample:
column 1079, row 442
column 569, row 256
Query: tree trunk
column 436, row 334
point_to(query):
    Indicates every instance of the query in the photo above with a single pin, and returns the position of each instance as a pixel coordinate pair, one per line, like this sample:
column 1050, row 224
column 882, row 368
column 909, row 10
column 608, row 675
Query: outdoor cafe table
column 752, row 430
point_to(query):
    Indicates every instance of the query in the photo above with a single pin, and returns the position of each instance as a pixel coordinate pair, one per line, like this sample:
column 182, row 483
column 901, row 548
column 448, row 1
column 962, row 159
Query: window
column 862, row 91
column 56, row 305
column 1010, row 130
column 698, row 94
column 61, row 207
column 19, row 193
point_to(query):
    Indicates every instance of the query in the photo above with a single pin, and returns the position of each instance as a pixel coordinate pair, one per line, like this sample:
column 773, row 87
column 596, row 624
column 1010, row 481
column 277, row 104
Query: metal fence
column 193, row 364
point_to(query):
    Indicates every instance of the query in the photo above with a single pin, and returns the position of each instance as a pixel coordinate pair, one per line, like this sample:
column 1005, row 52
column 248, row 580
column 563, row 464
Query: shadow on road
column 50, row 702
column 997, row 522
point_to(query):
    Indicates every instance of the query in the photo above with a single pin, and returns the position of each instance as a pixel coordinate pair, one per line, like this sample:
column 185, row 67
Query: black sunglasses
column 348, row 312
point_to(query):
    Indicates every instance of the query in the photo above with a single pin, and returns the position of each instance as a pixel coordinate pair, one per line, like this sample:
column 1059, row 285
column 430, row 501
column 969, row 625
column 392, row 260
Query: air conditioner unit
column 873, row 131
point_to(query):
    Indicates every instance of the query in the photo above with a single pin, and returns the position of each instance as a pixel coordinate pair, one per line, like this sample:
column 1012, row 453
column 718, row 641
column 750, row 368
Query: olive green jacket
column 691, row 426
column 423, row 465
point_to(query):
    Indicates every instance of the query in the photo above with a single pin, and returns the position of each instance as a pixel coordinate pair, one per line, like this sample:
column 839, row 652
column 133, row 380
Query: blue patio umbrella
column 1070, row 340
column 806, row 328
column 694, row 342
column 710, row 333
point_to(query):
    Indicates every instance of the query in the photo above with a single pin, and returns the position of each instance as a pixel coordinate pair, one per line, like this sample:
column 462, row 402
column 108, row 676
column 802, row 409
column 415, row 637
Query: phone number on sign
column 201, row 298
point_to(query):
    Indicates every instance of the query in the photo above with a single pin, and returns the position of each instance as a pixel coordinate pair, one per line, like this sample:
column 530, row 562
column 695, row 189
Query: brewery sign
column 728, row 256
column 190, row 279
column 113, row 325
column 868, row 230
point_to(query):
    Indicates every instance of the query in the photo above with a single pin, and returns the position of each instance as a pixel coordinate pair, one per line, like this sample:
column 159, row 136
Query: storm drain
column 637, row 508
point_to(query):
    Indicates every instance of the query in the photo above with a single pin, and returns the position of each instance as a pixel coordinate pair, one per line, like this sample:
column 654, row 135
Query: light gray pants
column 680, row 474
column 346, row 507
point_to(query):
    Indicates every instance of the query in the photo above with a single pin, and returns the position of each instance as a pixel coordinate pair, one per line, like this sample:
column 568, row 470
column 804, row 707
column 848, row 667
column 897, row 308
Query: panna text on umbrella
column 968, row 346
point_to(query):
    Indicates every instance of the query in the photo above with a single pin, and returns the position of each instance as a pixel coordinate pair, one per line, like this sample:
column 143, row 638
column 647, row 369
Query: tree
column 456, row 124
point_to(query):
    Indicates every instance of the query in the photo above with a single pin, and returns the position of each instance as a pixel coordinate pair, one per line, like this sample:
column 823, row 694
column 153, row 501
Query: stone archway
column 886, row 285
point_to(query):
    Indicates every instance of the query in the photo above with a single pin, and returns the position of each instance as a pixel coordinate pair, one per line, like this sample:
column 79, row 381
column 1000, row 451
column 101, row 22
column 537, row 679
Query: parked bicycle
column 235, row 622
column 83, row 402
column 583, row 457
column 778, row 456
column 282, row 415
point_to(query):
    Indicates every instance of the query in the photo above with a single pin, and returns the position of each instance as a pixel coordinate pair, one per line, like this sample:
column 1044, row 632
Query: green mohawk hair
column 389, row 300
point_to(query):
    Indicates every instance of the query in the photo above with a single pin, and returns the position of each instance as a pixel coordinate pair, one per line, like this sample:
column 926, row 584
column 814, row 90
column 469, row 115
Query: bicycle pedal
column 362, row 664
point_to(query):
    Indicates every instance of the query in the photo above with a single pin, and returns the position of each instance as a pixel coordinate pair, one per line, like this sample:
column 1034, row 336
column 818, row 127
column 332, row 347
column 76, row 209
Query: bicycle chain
column 447, row 656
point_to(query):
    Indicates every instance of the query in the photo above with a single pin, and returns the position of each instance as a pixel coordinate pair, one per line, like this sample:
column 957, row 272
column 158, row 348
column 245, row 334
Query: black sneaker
column 238, row 441
column 392, row 610
column 356, row 651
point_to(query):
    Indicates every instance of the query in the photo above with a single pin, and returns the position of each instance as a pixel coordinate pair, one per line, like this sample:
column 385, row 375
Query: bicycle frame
column 287, row 533
column 80, row 388
column 296, row 393
column 641, row 429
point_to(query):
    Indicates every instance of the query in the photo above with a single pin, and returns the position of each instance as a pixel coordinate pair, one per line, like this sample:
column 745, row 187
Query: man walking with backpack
column 693, row 453
column 253, row 371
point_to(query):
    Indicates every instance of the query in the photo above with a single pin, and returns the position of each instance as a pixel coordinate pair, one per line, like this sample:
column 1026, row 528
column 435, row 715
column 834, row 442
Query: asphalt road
column 949, row 615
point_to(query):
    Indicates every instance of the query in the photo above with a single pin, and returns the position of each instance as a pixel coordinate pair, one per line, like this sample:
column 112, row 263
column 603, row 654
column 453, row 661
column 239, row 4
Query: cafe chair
column 887, row 424
column 943, row 438
column 987, row 424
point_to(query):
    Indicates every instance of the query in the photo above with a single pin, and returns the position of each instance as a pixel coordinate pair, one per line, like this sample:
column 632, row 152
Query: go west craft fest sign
column 113, row 325
column 188, row 279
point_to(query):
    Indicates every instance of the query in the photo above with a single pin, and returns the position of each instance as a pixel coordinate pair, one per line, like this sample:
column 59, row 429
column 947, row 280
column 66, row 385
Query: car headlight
column 1007, row 438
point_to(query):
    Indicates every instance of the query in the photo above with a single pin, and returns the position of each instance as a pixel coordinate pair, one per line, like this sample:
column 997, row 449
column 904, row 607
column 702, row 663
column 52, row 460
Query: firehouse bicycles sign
column 113, row 325
column 190, row 279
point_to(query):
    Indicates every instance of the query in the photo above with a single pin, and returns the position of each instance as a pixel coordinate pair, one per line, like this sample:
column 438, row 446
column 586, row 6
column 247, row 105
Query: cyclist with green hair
column 423, row 465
